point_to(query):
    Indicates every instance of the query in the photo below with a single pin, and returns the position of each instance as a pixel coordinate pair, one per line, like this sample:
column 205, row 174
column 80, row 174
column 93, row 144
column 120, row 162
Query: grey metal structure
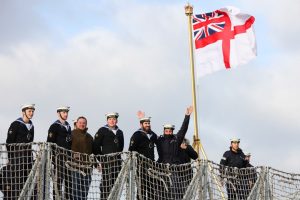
column 132, row 175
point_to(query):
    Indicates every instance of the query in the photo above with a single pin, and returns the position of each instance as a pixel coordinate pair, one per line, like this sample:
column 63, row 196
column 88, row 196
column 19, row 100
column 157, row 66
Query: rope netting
column 46, row 171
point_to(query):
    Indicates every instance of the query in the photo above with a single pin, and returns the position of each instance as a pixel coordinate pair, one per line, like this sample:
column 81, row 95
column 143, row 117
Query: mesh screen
column 46, row 171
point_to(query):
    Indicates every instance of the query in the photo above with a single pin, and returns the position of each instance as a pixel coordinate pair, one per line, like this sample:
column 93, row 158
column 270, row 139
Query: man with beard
column 142, row 141
column 20, row 156
column 232, row 163
column 109, row 139
column 60, row 134
column 168, row 148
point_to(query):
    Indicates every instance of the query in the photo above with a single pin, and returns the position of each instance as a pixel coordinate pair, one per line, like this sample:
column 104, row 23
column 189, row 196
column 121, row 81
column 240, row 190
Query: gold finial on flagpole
column 188, row 10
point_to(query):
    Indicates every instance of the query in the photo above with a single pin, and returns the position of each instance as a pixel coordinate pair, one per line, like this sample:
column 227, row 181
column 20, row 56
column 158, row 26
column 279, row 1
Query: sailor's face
column 63, row 115
column 29, row 113
column 168, row 131
column 112, row 122
column 235, row 145
column 146, row 126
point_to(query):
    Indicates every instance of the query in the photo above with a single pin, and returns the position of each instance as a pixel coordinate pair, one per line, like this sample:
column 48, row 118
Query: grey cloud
column 279, row 20
column 19, row 20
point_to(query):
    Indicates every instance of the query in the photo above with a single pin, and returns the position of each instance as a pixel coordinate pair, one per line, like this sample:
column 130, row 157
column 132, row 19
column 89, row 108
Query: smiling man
column 82, row 143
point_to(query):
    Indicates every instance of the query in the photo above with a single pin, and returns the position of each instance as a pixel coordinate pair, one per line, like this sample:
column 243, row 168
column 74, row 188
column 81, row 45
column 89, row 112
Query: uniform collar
column 147, row 133
column 22, row 121
column 116, row 127
column 29, row 125
column 66, row 125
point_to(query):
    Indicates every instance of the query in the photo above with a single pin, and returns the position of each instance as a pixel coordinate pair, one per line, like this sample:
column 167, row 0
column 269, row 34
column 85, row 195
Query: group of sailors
column 172, row 149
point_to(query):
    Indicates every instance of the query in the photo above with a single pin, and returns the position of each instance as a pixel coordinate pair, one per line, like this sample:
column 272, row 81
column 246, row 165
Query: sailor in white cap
column 168, row 144
column 60, row 134
column 233, row 158
column 143, row 141
column 109, row 139
column 22, row 129
column 20, row 156
column 168, row 149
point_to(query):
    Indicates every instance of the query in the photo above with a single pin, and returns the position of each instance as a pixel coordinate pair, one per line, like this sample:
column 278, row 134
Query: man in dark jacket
column 168, row 148
column 186, row 153
column 168, row 144
column 109, row 139
column 81, row 165
column 60, row 134
column 231, row 163
column 143, row 141
column 20, row 156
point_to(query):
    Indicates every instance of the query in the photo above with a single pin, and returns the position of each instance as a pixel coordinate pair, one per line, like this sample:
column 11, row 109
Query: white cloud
column 279, row 21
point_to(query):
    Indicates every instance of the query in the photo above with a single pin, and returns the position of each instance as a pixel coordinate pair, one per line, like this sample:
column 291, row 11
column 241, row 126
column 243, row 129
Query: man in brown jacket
column 81, row 166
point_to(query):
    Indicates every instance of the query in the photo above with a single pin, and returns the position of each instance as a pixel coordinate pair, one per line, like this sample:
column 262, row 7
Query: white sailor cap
column 247, row 154
column 169, row 126
column 112, row 115
column 145, row 119
column 63, row 108
column 28, row 106
column 186, row 141
column 235, row 140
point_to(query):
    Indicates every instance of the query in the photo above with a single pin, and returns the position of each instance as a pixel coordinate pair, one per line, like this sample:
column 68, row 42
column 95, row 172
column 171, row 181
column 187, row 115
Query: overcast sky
column 123, row 56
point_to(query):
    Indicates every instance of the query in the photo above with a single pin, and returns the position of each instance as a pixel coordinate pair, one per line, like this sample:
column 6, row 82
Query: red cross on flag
column 223, row 39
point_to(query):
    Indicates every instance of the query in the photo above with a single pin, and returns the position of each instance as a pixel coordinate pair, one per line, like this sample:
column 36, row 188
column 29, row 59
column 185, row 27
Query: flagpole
column 197, row 142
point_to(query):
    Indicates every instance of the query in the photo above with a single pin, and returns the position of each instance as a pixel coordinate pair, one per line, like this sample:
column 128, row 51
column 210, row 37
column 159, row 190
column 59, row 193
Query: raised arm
column 185, row 124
